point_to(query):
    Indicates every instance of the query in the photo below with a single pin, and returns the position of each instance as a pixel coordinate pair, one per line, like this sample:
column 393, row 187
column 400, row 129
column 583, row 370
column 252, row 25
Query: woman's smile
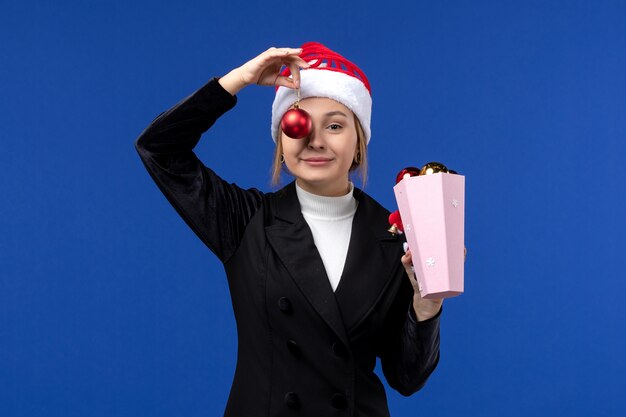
column 317, row 161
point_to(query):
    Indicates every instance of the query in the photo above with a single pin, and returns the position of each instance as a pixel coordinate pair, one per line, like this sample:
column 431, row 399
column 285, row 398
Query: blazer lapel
column 291, row 238
column 373, row 257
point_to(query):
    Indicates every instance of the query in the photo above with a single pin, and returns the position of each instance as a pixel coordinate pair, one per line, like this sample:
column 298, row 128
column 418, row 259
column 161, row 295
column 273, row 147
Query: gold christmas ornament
column 433, row 168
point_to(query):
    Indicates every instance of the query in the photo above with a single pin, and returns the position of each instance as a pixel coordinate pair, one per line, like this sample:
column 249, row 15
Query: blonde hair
column 360, row 166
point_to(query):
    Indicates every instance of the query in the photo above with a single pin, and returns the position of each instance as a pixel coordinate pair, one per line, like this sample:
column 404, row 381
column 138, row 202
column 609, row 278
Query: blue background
column 110, row 305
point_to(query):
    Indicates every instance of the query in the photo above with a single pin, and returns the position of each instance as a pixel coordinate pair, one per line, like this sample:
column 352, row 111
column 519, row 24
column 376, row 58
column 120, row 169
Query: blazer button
column 293, row 347
column 340, row 351
column 292, row 400
column 284, row 305
column 339, row 401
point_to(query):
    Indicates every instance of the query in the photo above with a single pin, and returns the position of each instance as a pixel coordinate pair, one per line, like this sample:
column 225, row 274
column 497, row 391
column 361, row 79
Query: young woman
column 319, row 287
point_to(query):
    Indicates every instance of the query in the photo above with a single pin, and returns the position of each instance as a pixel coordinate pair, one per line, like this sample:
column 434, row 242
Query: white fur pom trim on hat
column 343, row 88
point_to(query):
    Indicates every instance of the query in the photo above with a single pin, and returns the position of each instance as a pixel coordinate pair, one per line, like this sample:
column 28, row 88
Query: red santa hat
column 332, row 76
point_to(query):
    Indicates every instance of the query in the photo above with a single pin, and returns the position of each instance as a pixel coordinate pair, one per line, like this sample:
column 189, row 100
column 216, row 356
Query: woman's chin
column 323, row 186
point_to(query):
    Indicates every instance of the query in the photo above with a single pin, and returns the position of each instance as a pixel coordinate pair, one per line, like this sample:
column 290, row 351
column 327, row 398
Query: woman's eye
column 334, row 126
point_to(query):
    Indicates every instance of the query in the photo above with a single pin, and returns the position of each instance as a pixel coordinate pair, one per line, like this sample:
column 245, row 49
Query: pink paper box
column 432, row 208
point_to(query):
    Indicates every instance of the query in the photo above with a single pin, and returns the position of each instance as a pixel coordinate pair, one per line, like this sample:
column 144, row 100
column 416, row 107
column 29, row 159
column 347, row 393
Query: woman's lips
column 317, row 161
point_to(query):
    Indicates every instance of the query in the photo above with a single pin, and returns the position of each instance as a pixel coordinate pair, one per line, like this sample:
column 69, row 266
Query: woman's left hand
column 424, row 308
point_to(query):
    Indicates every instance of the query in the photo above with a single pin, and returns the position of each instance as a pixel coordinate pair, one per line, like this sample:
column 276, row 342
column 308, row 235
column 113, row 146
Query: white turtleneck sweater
column 330, row 221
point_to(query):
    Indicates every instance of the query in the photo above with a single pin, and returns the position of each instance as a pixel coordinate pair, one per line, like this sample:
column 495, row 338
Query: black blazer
column 302, row 348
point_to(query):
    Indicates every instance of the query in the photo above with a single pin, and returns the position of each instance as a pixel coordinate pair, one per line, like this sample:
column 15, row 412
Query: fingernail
column 405, row 246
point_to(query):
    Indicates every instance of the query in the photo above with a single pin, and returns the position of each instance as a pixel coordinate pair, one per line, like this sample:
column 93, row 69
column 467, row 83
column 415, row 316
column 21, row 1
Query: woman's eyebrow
column 336, row 113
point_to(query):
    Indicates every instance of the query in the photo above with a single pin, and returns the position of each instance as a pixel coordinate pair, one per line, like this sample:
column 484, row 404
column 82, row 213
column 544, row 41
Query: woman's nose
column 315, row 140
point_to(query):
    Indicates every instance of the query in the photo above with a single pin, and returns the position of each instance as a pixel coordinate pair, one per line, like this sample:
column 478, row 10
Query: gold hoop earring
column 357, row 158
column 282, row 158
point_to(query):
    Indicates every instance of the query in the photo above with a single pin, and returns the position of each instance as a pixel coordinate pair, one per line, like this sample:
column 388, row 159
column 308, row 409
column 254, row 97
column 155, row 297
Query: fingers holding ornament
column 292, row 80
column 265, row 69
column 290, row 58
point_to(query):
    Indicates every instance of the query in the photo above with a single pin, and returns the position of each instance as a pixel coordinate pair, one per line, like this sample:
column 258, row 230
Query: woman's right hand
column 264, row 69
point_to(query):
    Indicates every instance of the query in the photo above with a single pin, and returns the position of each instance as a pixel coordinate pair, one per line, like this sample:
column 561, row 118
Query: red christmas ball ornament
column 407, row 172
column 296, row 123
column 396, row 223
